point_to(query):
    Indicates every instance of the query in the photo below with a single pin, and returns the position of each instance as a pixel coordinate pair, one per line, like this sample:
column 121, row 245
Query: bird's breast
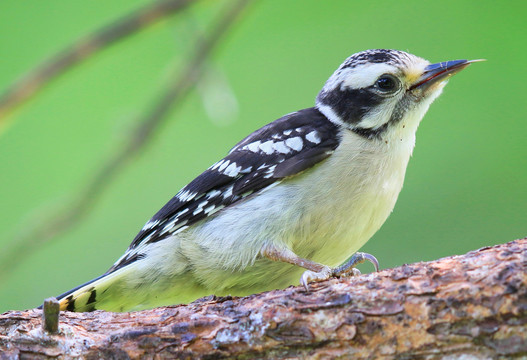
column 350, row 202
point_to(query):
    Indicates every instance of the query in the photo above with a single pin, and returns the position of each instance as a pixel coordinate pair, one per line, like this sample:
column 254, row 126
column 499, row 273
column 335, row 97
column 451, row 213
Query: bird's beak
column 439, row 72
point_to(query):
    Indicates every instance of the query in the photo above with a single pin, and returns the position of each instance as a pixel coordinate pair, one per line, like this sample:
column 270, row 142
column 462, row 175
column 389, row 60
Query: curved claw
column 371, row 259
column 309, row 276
column 354, row 260
column 304, row 279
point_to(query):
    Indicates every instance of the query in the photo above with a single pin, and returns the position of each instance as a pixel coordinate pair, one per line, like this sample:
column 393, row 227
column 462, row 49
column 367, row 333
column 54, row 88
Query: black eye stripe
column 351, row 104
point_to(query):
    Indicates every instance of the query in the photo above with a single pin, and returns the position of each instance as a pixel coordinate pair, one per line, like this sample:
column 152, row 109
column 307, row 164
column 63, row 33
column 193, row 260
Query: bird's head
column 376, row 93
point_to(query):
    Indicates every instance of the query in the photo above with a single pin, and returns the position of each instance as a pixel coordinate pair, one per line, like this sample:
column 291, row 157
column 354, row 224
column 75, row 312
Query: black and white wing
column 283, row 148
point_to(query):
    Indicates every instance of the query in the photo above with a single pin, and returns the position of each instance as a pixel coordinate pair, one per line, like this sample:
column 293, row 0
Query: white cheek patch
column 378, row 116
column 364, row 75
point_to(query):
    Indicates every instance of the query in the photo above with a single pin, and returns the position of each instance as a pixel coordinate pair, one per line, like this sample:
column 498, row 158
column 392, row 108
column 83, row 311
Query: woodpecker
column 292, row 200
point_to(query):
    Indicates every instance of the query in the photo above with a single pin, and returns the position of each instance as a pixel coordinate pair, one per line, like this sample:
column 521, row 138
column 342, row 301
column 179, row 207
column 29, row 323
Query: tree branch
column 473, row 305
column 42, row 75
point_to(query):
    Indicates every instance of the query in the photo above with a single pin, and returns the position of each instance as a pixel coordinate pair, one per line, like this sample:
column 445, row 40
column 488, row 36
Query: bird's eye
column 387, row 83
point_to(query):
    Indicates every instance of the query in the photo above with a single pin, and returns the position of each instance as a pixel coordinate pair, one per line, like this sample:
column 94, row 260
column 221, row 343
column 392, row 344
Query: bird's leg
column 316, row 271
column 286, row 255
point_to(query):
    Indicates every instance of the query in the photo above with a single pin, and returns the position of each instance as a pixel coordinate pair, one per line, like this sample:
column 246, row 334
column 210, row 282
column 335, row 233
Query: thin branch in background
column 215, row 91
column 25, row 244
column 22, row 90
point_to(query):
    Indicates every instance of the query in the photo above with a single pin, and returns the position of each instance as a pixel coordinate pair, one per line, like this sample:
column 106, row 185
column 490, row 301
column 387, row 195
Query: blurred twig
column 42, row 75
column 36, row 235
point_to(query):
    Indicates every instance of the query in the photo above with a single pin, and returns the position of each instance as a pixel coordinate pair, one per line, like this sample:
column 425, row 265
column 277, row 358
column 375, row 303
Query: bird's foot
column 346, row 269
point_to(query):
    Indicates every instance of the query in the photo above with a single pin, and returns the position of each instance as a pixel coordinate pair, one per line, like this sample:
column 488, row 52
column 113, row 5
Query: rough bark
column 472, row 306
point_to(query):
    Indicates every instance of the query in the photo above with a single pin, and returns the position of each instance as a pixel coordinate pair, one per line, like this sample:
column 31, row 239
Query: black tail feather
column 67, row 293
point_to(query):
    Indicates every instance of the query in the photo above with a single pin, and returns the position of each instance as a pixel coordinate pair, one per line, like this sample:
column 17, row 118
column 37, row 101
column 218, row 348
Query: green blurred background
column 465, row 186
